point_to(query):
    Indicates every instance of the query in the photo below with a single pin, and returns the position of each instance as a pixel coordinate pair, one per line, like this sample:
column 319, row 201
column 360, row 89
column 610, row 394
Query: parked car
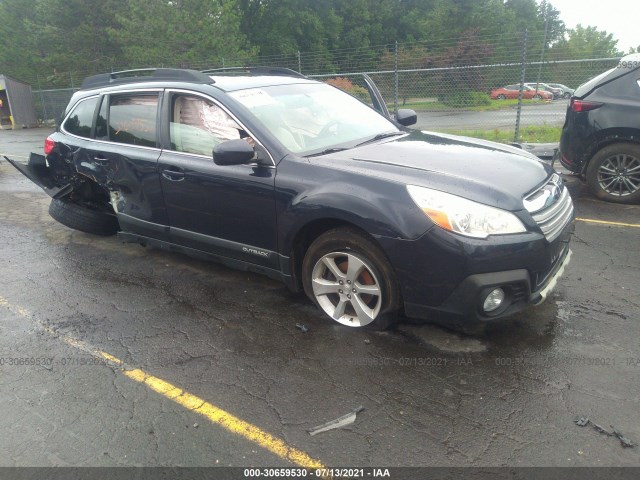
column 512, row 91
column 556, row 92
column 566, row 91
column 601, row 134
column 272, row 172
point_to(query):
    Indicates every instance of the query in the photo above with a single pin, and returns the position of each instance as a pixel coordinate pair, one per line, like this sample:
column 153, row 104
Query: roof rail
column 145, row 74
column 278, row 71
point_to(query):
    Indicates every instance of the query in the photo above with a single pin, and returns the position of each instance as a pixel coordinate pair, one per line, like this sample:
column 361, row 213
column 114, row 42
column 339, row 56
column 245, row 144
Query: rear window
column 628, row 64
column 591, row 84
column 81, row 118
column 132, row 119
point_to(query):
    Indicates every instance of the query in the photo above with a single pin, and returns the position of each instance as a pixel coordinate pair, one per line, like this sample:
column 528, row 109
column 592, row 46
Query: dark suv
column 601, row 134
column 276, row 173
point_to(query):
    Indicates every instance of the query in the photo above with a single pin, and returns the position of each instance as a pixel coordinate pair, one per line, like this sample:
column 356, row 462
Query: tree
column 17, row 45
column 48, row 39
column 586, row 43
column 179, row 32
column 282, row 28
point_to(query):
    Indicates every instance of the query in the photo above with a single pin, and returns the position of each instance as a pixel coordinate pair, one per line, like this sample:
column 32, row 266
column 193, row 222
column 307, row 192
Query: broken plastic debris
column 625, row 442
column 343, row 421
column 302, row 327
column 581, row 421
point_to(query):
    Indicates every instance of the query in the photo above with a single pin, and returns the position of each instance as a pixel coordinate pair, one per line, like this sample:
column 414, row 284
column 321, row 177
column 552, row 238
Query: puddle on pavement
column 532, row 329
column 444, row 340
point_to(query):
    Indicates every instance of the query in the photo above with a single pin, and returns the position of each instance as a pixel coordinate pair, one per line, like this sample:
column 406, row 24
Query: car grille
column 551, row 207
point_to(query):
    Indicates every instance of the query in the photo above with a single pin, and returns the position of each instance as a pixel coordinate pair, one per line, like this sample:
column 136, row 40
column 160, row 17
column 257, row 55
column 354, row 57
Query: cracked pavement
column 432, row 397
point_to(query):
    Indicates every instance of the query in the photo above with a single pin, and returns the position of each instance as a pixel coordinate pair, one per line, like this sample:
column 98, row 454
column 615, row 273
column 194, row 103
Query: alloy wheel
column 347, row 288
column 619, row 175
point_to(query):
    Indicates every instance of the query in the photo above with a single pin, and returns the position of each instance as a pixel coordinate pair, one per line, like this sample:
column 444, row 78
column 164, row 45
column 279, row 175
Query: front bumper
column 538, row 297
column 448, row 282
column 465, row 303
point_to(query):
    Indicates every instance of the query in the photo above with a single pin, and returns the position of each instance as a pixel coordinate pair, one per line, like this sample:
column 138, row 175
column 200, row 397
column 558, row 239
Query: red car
column 511, row 91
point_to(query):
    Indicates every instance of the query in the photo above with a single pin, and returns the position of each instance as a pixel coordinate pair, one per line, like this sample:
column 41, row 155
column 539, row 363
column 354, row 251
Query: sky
column 618, row 17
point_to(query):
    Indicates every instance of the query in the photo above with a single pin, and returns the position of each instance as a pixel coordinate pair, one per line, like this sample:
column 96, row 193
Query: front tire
column 613, row 174
column 501, row 97
column 349, row 277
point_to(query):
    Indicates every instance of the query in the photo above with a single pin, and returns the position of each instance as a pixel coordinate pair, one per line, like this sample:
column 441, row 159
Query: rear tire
column 613, row 174
column 537, row 97
column 501, row 97
column 83, row 218
column 348, row 276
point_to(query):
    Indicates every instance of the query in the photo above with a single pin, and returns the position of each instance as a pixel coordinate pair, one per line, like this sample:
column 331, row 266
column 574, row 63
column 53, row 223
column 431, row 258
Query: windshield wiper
column 327, row 151
column 380, row 136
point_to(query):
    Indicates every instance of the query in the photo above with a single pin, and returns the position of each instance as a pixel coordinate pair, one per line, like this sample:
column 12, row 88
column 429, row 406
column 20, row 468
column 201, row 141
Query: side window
column 197, row 125
column 81, row 118
column 132, row 119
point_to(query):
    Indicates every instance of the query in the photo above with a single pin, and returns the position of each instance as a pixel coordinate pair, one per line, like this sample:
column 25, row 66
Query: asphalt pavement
column 543, row 113
column 113, row 354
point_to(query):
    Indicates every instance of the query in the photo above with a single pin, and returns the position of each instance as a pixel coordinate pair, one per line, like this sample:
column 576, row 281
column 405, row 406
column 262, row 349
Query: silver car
column 566, row 91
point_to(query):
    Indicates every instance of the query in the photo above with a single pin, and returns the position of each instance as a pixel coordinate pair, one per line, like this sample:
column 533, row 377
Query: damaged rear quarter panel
column 129, row 171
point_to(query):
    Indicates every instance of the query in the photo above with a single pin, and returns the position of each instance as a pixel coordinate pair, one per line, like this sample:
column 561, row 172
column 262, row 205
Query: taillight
column 49, row 145
column 583, row 106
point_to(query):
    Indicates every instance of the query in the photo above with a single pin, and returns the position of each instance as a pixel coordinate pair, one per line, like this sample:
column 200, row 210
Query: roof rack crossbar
column 145, row 74
column 278, row 71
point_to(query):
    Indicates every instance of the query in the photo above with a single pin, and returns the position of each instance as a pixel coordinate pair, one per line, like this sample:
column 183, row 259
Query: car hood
column 487, row 172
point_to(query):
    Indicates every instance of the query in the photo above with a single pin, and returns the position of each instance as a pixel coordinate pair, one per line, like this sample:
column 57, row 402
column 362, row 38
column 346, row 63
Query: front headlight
column 463, row 216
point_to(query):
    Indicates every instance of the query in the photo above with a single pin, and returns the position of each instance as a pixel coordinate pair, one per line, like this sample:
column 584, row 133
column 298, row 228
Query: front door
column 223, row 210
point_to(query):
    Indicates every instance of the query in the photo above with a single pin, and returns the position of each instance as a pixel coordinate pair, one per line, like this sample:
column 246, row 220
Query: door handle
column 100, row 160
column 173, row 175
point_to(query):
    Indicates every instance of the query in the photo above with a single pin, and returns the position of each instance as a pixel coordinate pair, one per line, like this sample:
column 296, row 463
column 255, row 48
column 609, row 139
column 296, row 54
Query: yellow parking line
column 603, row 222
column 224, row 419
column 185, row 399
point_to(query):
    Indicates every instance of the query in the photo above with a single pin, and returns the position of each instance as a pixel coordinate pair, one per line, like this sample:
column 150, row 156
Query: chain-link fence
column 454, row 86
column 444, row 104
column 50, row 104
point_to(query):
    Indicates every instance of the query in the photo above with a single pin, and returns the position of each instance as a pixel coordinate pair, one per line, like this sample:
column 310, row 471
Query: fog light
column 493, row 300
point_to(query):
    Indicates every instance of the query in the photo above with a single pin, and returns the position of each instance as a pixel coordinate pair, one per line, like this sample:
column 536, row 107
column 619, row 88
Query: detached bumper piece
column 39, row 173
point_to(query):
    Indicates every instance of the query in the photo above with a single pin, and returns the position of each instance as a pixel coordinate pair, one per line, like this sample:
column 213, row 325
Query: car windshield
column 313, row 118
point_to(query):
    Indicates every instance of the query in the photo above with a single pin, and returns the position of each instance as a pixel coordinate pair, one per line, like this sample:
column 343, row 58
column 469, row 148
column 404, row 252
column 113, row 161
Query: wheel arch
column 349, row 238
column 609, row 137
column 305, row 236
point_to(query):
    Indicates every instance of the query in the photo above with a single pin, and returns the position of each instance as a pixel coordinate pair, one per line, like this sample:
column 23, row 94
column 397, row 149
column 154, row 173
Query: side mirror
column 233, row 152
column 406, row 117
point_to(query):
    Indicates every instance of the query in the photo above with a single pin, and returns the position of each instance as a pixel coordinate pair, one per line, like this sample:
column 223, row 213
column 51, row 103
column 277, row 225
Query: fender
column 379, row 216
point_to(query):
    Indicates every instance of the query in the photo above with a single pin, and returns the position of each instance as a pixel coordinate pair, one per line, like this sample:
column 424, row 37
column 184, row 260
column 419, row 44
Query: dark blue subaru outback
column 269, row 171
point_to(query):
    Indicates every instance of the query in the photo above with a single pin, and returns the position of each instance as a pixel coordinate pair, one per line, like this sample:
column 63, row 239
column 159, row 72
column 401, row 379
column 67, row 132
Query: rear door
column 123, row 157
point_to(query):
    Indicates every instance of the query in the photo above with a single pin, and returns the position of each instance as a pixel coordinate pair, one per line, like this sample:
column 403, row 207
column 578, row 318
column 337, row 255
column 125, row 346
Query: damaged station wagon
column 269, row 171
